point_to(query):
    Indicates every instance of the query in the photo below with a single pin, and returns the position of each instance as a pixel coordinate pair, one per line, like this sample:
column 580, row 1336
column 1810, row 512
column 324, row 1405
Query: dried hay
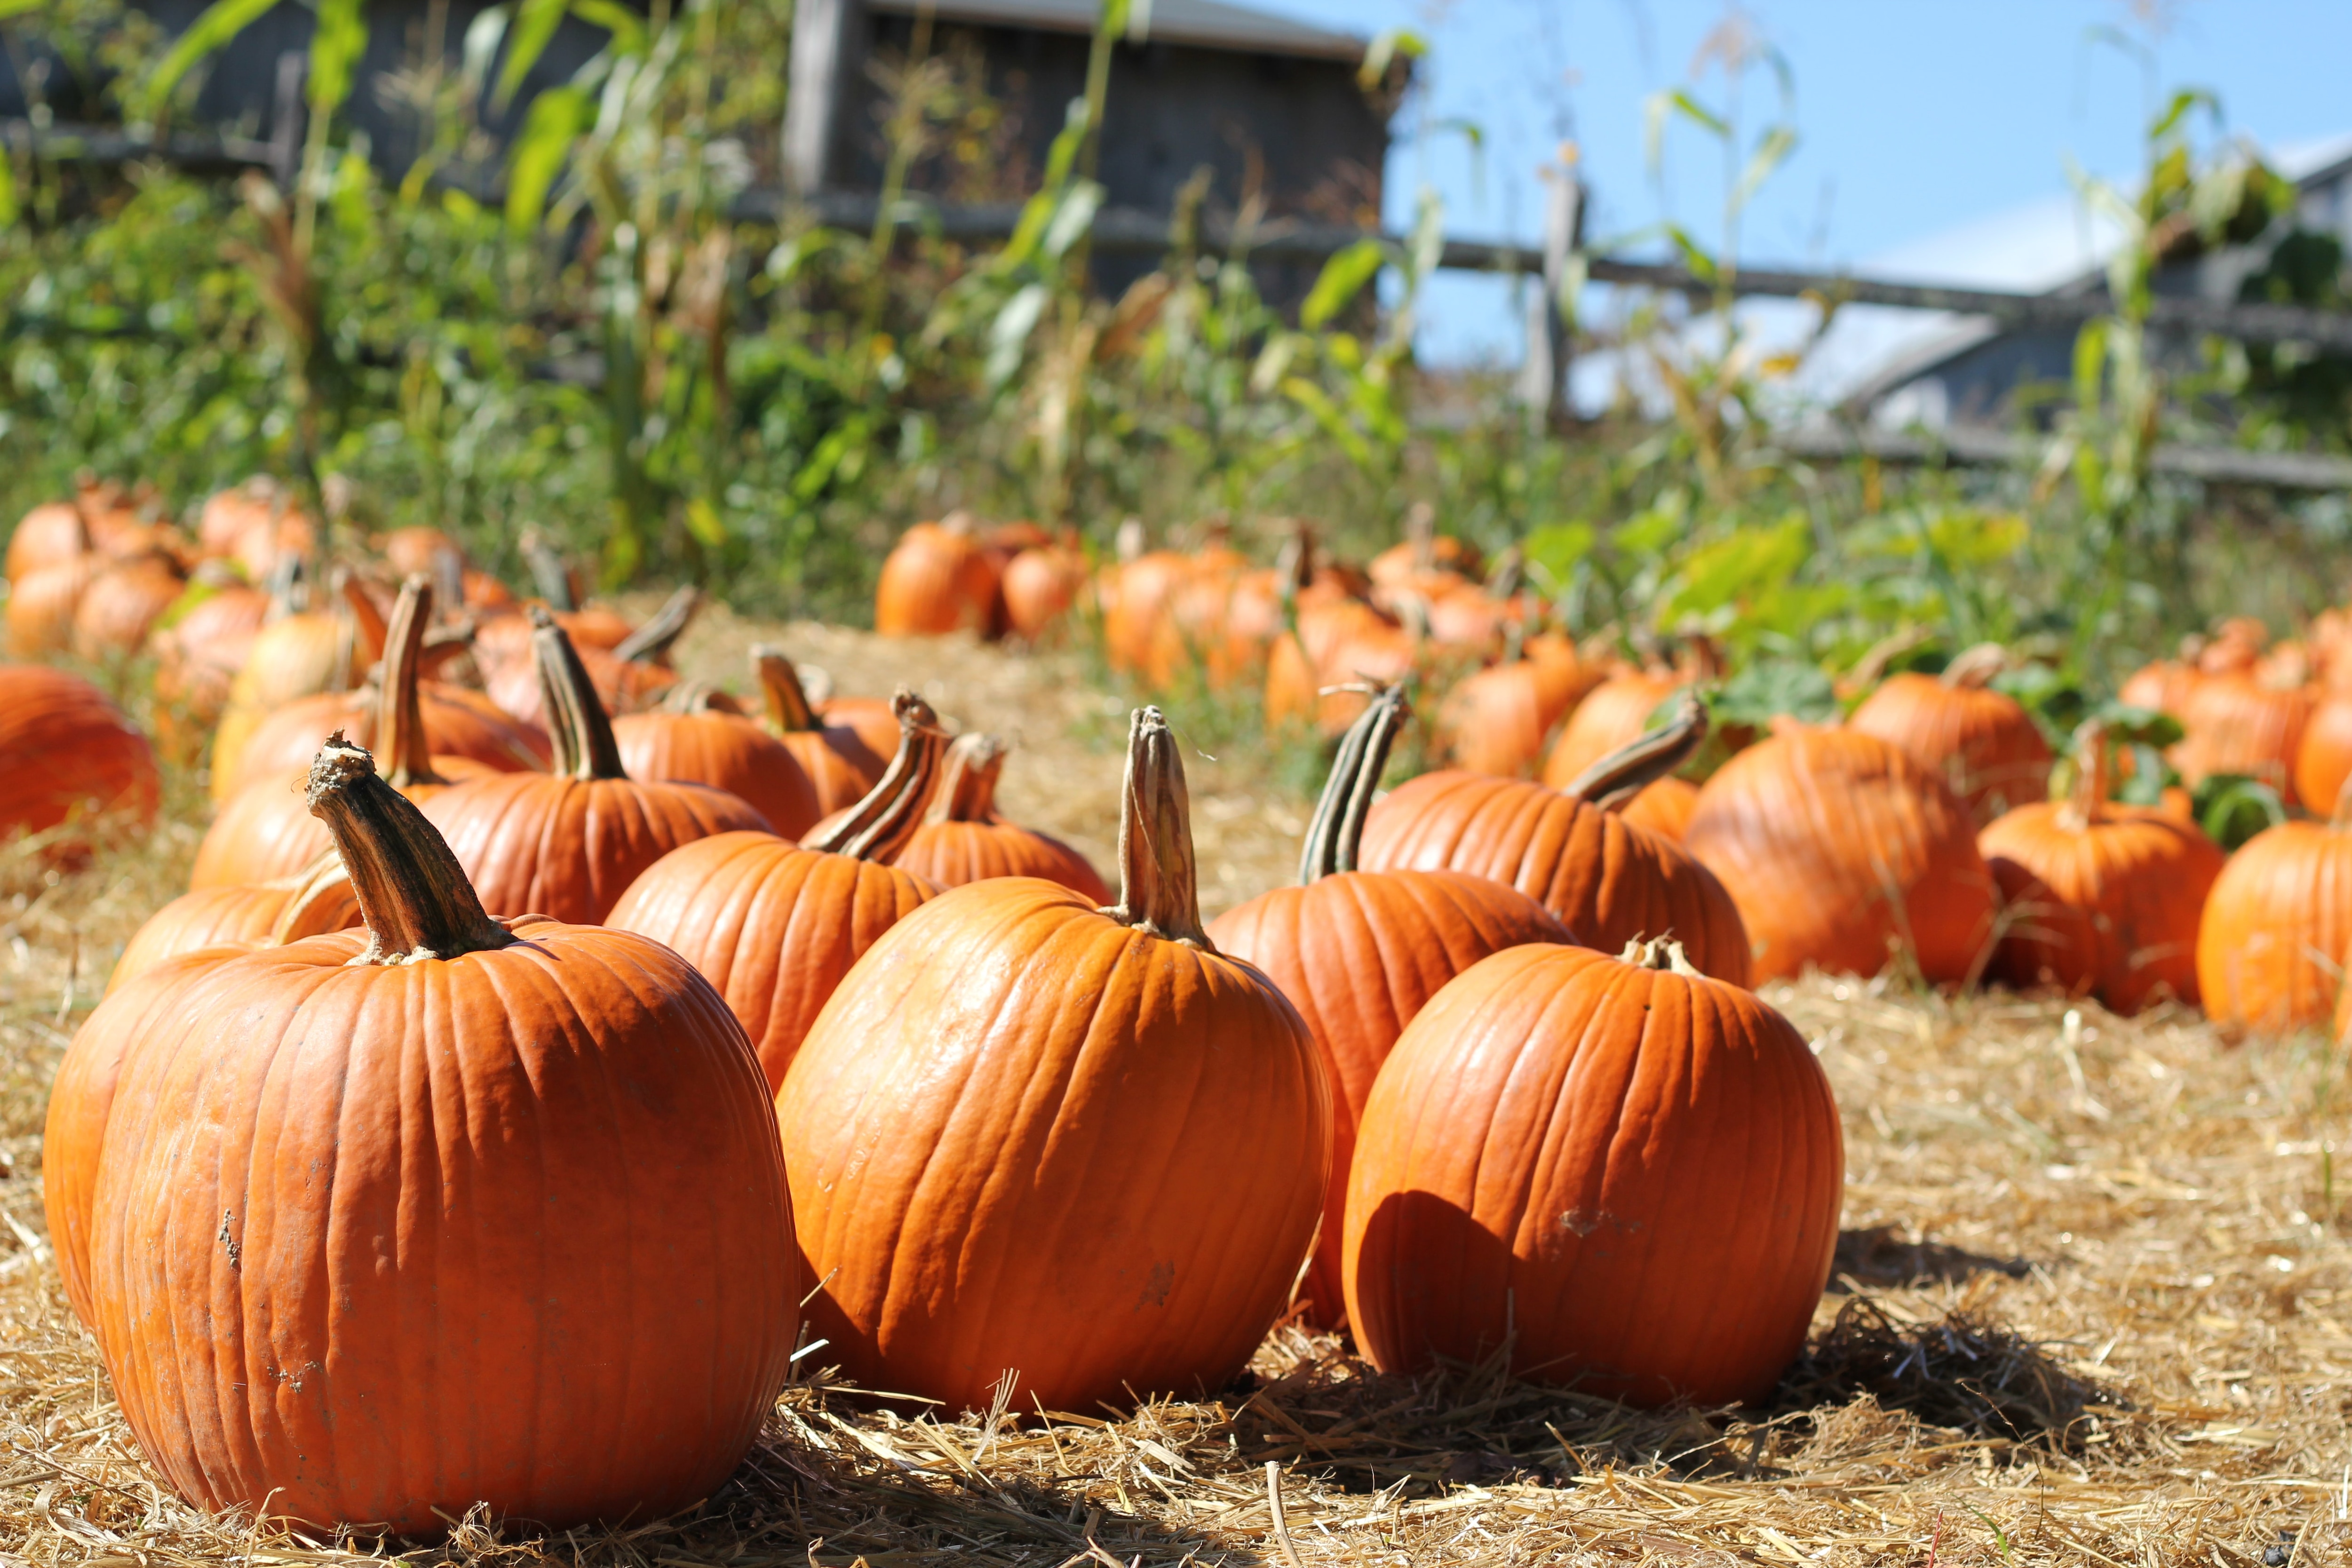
column 2093, row 1305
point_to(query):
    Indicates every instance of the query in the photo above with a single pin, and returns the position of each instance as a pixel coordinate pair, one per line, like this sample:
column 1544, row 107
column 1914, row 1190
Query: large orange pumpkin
column 324, row 648
column 199, row 648
column 567, row 844
column 2272, row 942
column 1626, row 1175
column 1665, row 806
column 1156, row 1120
column 51, row 534
column 1614, row 713
column 1844, row 854
column 689, row 740
column 1983, row 742
column 121, row 604
column 2098, row 897
column 1497, row 720
column 66, row 751
column 1608, row 880
column 774, row 925
column 837, row 760
column 2322, row 757
column 514, row 1191
column 41, row 602
column 1041, row 584
column 2244, row 723
column 936, row 579
column 1359, row 953
column 629, row 675
column 964, row 838
column 240, row 916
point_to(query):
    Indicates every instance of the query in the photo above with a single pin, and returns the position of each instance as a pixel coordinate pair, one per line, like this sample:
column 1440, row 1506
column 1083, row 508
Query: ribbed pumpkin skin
column 1016, row 1112
column 81, row 1097
column 2322, row 757
column 2236, row 724
column 2110, row 907
column 1608, row 881
column 1983, row 742
column 121, row 605
column 774, row 927
column 40, row 609
column 461, row 724
column 234, row 916
column 840, row 765
column 65, row 748
column 1839, row 848
column 1359, row 953
column 507, row 1227
column 265, row 831
column 1665, row 806
column 953, row 853
column 1612, row 714
column 935, row 580
column 726, row 753
column 1637, row 1173
column 568, row 848
column 1495, row 721
column 2273, row 941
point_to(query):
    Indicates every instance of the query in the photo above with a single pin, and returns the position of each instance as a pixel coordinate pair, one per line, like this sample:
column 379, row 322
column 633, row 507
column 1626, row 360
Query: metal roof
column 1209, row 23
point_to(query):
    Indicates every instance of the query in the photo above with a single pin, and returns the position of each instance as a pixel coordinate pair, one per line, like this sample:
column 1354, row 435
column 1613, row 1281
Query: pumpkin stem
column 790, row 712
column 966, row 791
column 1614, row 780
column 1659, row 953
column 399, row 709
column 2088, row 796
column 650, row 643
column 367, row 622
column 547, row 572
column 1421, row 534
column 321, row 901
column 1972, row 668
column 411, row 893
column 577, row 722
column 1159, row 889
column 1337, row 832
column 700, row 696
column 879, row 826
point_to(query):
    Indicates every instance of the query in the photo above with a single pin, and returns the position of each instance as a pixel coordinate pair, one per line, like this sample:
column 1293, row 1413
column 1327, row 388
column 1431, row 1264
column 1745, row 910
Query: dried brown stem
column 577, row 722
column 1159, row 885
column 1621, row 775
column 879, row 826
column 411, row 893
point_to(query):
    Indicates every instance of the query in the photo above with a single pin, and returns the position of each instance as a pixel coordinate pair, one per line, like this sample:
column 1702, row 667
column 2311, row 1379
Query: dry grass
column 2092, row 1307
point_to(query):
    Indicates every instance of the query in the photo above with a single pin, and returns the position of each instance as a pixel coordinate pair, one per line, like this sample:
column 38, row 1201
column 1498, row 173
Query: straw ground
column 2093, row 1305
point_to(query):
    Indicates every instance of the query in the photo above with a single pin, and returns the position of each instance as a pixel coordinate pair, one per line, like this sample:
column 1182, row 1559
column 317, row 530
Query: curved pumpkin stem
column 1337, row 832
column 548, row 572
column 368, row 630
column 399, row 709
column 1614, row 780
column 2087, row 798
column 651, row 643
column 790, row 712
column 1972, row 668
column 577, row 722
column 411, row 893
column 966, row 791
column 700, row 696
column 879, row 826
column 1158, row 886
column 321, row 901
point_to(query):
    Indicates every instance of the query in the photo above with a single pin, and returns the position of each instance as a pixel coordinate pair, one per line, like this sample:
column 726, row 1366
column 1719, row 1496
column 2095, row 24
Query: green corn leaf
column 1770, row 154
column 557, row 118
column 1008, row 334
column 1073, row 218
column 628, row 28
column 534, row 24
column 1342, row 278
column 8, row 208
column 222, row 21
column 338, row 43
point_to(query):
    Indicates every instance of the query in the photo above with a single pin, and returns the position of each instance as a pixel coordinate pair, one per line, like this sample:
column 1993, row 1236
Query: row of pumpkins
column 379, row 1205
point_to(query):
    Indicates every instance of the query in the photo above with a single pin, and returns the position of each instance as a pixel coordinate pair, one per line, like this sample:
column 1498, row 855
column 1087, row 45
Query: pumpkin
column 690, row 739
column 629, row 677
column 408, row 550
column 1359, row 953
column 1141, row 636
column 1156, row 1122
column 303, row 654
column 66, row 752
column 568, row 842
column 1608, row 880
column 257, row 525
column 2097, row 896
column 1614, row 713
column 1843, row 852
column 121, row 604
column 1665, row 806
column 2323, row 758
column 840, row 764
column 774, row 925
column 1983, row 742
column 267, row 831
column 1344, row 649
column 936, row 579
column 241, row 916
column 413, row 1168
column 41, row 603
column 2242, row 724
column 2272, row 940
column 1496, row 720
column 1616, row 1171
column 199, row 647
column 51, row 534
column 1041, row 584
column 1423, row 551
column 964, row 838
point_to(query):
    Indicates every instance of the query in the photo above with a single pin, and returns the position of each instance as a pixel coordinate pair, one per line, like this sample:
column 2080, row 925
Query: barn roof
column 1208, row 22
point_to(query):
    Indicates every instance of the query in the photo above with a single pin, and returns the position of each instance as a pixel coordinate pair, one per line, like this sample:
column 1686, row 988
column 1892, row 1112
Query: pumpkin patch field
column 1177, row 1164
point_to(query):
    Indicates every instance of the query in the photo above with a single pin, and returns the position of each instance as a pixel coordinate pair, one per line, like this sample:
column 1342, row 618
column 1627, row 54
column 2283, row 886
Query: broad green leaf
column 703, row 522
column 535, row 23
column 222, row 21
column 1762, row 690
column 8, row 208
column 1649, row 533
column 1553, row 552
column 1972, row 538
column 2233, row 809
column 1342, row 278
column 1744, row 563
column 1312, row 398
column 18, row 7
column 553, row 125
column 338, row 43
column 2129, row 726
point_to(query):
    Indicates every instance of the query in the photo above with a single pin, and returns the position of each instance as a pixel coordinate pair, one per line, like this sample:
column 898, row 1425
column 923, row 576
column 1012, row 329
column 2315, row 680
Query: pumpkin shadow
column 1877, row 1257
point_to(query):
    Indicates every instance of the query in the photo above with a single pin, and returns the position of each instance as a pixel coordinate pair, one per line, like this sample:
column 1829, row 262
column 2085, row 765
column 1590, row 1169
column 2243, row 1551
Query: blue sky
column 1914, row 116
